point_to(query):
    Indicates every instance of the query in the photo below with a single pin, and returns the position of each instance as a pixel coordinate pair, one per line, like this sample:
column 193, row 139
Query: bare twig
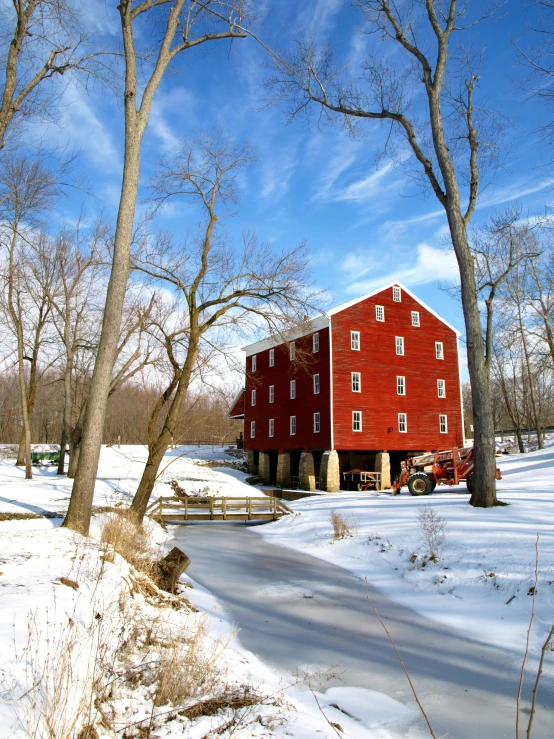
column 387, row 632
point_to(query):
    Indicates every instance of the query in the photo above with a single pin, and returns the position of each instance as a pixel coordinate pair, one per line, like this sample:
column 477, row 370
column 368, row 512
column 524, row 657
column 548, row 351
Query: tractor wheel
column 469, row 483
column 420, row 484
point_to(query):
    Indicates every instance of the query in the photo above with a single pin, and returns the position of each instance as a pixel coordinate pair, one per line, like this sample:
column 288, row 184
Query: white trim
column 271, row 429
column 394, row 294
column 331, row 384
column 400, row 346
column 324, row 321
column 318, row 430
column 403, row 378
column 405, row 431
column 416, row 314
column 439, row 388
column 359, row 374
column 357, row 431
column 291, row 432
column 445, row 416
column 272, row 357
column 318, row 391
column 380, row 310
column 358, row 341
column 350, row 303
column 461, row 394
column 292, row 386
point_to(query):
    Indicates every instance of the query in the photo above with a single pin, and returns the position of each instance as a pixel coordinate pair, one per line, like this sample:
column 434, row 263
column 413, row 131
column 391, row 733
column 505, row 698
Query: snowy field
column 118, row 477
column 481, row 583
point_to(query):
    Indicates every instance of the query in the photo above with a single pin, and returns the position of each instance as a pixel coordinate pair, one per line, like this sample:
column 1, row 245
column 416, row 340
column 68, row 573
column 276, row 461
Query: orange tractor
column 422, row 474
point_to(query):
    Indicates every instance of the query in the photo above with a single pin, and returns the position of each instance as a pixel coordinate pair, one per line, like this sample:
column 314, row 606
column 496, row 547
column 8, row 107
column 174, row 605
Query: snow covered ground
column 118, row 477
column 483, row 580
column 72, row 616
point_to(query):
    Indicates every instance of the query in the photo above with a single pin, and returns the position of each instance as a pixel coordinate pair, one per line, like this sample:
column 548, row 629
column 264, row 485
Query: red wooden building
column 361, row 386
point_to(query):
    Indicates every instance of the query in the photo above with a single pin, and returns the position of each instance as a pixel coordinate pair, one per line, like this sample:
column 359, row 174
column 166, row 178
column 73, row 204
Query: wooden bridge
column 217, row 509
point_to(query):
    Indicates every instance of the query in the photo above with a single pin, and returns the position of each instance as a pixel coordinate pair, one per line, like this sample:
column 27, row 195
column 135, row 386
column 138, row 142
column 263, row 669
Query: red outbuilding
column 362, row 386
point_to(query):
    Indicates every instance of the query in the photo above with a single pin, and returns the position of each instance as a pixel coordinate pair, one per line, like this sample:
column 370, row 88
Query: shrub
column 343, row 526
column 129, row 540
column 432, row 531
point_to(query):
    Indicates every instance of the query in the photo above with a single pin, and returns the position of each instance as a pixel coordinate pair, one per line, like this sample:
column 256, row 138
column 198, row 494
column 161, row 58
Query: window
column 355, row 340
column 292, row 389
column 441, row 388
column 400, row 345
column 438, row 350
column 402, row 423
column 400, row 385
column 292, row 425
column 252, row 429
column 253, row 398
column 415, row 318
column 443, row 424
column 316, row 384
column 254, row 363
column 272, row 357
column 315, row 344
column 379, row 313
column 396, row 294
column 272, row 393
column 356, row 420
column 356, row 382
column 292, row 351
column 272, row 427
column 316, row 423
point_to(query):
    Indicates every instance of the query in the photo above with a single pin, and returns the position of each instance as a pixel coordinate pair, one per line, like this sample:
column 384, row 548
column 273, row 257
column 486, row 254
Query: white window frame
column 252, row 429
column 355, row 341
column 415, row 318
column 317, row 423
column 403, row 422
column 272, row 393
column 292, row 425
column 292, row 389
column 443, row 423
column 397, row 294
column 253, row 398
column 315, row 343
column 316, row 384
column 441, row 385
column 292, row 351
column 400, row 345
column 380, row 313
column 400, row 385
column 356, row 379
column 272, row 357
column 254, row 362
column 271, row 427
column 356, row 420
column 439, row 350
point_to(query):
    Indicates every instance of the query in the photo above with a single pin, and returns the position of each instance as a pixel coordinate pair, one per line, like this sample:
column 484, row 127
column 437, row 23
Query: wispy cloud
column 392, row 230
column 369, row 186
column 514, row 192
column 431, row 264
column 165, row 105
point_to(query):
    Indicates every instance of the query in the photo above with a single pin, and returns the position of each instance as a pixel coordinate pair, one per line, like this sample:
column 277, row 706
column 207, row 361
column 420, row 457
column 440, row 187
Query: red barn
column 361, row 386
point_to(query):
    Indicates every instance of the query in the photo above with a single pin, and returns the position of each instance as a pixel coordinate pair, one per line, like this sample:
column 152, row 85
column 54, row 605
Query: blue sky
column 366, row 223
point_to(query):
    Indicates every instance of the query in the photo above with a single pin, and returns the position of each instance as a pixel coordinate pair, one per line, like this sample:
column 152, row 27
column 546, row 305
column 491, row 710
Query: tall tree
column 440, row 127
column 216, row 285
column 172, row 27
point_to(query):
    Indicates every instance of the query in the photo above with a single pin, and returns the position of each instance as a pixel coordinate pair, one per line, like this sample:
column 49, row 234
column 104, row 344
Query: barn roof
column 324, row 319
column 237, row 409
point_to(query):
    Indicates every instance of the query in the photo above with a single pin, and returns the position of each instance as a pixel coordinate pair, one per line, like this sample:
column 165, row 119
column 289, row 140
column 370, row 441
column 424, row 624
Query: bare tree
column 219, row 288
column 29, row 189
column 76, row 261
column 40, row 41
column 174, row 27
column 440, row 127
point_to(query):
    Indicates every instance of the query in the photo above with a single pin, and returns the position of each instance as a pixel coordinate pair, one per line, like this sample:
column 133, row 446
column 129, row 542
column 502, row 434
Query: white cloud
column 514, row 192
column 431, row 265
column 343, row 156
column 367, row 188
column 165, row 104
column 355, row 264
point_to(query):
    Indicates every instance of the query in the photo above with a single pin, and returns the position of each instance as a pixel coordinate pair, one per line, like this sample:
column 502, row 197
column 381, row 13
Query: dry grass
column 432, row 531
column 123, row 536
column 343, row 526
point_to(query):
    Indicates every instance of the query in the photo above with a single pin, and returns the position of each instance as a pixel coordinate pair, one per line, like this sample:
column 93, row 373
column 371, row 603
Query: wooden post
column 224, row 509
column 274, row 504
column 161, row 509
column 249, row 508
column 186, row 509
column 211, row 509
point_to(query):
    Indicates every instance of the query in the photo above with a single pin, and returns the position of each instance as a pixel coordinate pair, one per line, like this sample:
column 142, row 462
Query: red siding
column 237, row 411
column 303, row 406
column 379, row 366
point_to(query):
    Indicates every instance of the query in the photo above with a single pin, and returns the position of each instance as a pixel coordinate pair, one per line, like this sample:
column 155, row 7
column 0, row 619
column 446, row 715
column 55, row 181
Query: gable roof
column 324, row 319
column 237, row 409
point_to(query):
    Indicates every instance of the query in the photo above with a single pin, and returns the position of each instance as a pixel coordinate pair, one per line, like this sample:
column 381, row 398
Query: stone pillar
column 252, row 468
column 329, row 474
column 382, row 465
column 263, row 468
column 306, row 472
column 283, row 470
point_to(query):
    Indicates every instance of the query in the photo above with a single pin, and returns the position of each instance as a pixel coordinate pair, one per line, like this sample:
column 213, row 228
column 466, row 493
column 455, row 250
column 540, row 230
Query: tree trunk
column 21, row 450
column 530, row 379
column 63, row 446
column 67, row 412
column 80, row 505
column 484, row 480
column 520, row 441
column 24, row 410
